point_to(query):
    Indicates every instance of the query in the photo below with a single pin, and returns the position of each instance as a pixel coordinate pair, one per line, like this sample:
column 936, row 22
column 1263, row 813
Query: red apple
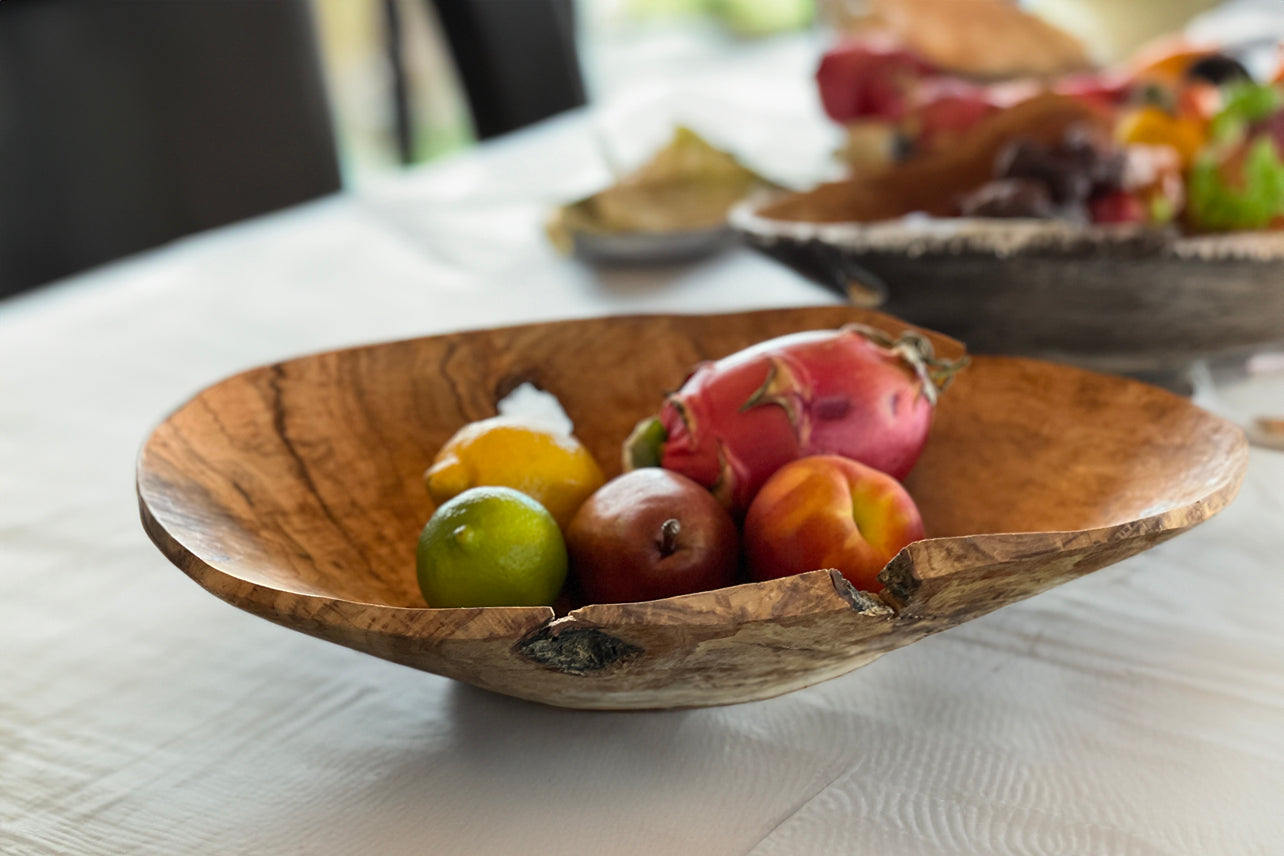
column 650, row 534
column 827, row 511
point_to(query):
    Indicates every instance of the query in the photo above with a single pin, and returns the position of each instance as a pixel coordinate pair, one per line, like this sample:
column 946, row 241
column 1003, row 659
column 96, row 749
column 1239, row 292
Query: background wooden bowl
column 294, row 491
column 1109, row 298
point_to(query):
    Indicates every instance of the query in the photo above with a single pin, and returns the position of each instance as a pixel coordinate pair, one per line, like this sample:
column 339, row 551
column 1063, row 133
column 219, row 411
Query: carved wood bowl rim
column 923, row 235
column 918, row 599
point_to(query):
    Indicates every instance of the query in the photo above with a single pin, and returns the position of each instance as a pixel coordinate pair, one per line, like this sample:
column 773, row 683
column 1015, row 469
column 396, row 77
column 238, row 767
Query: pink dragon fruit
column 853, row 392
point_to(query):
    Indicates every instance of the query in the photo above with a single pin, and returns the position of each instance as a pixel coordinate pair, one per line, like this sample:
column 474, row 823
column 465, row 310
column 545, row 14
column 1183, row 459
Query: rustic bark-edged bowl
column 1122, row 299
column 294, row 491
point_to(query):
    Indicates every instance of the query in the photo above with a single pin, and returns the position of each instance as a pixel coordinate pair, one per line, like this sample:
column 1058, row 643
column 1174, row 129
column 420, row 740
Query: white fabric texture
column 1138, row 711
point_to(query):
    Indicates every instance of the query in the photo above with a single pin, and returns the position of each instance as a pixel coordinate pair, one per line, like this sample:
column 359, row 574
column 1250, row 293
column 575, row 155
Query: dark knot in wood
column 575, row 650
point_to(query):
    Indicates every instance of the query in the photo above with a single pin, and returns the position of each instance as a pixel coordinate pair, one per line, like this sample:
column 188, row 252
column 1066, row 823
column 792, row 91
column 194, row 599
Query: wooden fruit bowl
column 294, row 491
column 1108, row 298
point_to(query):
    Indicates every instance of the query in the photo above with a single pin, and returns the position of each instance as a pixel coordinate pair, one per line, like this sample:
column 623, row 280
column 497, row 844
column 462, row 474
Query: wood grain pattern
column 293, row 491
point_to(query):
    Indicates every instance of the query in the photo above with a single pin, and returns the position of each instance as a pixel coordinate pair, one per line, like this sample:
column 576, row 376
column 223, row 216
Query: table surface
column 1139, row 710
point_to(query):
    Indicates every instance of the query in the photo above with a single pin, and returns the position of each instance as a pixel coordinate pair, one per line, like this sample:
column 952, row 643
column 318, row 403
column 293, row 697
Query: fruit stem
column 465, row 536
column 669, row 530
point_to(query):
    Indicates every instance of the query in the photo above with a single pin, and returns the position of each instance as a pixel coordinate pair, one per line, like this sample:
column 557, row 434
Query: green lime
column 491, row 546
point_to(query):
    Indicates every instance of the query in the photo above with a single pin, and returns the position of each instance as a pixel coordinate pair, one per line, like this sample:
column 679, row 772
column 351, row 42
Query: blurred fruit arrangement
column 1181, row 134
column 783, row 458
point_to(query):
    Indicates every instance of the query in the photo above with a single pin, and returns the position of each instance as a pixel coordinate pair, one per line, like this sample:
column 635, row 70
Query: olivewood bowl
column 294, row 491
column 1110, row 298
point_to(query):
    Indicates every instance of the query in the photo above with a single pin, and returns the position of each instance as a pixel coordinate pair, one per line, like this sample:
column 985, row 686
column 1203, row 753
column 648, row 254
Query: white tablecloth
column 1137, row 711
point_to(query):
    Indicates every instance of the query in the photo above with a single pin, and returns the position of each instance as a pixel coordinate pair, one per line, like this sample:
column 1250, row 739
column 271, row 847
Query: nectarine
column 827, row 511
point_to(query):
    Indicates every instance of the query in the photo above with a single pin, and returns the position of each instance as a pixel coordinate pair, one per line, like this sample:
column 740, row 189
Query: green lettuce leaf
column 1217, row 205
column 1243, row 104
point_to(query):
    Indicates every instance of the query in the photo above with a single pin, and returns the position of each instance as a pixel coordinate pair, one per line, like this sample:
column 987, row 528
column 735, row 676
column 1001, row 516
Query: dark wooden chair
column 517, row 60
column 126, row 124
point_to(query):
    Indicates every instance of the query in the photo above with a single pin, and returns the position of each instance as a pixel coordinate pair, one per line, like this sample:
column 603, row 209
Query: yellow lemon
column 491, row 546
column 552, row 468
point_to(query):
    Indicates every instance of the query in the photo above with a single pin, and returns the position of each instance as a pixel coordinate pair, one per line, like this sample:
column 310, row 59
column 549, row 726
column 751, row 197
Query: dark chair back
column 126, row 124
column 517, row 59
